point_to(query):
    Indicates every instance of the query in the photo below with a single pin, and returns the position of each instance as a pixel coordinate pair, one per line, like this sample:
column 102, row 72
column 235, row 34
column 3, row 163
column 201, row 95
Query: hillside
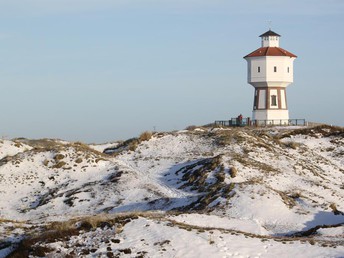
column 207, row 192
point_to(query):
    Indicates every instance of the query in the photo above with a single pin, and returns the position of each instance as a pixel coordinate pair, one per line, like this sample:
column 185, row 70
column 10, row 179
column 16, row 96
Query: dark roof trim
column 270, row 33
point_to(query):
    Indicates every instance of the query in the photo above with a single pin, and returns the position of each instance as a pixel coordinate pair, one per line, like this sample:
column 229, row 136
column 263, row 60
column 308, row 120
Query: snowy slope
column 10, row 148
column 150, row 237
column 269, row 183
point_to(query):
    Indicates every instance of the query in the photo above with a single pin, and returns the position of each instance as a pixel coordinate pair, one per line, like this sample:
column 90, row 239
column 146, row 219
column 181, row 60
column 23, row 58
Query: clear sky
column 103, row 70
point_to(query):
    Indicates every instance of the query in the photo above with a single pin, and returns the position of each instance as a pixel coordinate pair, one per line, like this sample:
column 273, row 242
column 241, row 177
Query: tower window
column 258, row 69
column 273, row 100
column 255, row 99
column 288, row 69
column 275, row 69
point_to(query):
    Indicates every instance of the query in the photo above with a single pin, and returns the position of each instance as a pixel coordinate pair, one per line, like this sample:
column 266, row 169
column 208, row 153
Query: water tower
column 270, row 71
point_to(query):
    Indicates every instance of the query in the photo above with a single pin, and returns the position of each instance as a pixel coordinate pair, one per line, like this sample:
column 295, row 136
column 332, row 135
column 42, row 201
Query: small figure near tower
column 270, row 71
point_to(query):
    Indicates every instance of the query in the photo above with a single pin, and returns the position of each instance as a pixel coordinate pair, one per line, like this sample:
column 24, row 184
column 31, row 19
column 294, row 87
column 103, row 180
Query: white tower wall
column 270, row 71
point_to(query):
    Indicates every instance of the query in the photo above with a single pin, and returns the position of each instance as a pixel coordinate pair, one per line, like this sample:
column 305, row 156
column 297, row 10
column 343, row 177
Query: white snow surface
column 163, row 239
column 10, row 148
column 286, row 180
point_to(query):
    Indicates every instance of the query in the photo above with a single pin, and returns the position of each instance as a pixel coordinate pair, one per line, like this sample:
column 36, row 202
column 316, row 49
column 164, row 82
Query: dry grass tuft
column 288, row 200
column 335, row 211
column 78, row 160
column 145, row 136
column 45, row 144
column 233, row 172
column 249, row 162
column 292, row 145
column 295, row 195
column 18, row 144
column 129, row 145
column 191, row 128
column 34, row 245
column 198, row 177
column 133, row 145
column 59, row 164
column 317, row 131
column 46, row 162
column 59, row 157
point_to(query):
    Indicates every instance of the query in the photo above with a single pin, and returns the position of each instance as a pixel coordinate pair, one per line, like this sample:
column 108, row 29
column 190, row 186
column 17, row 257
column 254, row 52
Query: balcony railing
column 248, row 122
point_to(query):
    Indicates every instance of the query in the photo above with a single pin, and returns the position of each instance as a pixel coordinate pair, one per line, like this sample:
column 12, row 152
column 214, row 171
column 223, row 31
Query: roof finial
column 269, row 22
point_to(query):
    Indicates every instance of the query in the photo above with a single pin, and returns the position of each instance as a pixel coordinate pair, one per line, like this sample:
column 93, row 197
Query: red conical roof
column 270, row 51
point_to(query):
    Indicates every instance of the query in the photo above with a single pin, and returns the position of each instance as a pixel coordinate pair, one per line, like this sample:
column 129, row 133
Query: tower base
column 271, row 116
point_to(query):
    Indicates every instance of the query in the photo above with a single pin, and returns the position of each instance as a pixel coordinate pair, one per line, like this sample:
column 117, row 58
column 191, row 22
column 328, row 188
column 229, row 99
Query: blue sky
column 101, row 70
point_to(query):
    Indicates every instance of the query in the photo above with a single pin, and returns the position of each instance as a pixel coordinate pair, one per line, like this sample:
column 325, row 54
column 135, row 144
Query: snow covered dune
column 258, row 187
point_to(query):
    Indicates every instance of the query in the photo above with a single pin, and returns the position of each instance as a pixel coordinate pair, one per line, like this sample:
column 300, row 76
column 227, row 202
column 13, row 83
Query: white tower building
column 270, row 71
